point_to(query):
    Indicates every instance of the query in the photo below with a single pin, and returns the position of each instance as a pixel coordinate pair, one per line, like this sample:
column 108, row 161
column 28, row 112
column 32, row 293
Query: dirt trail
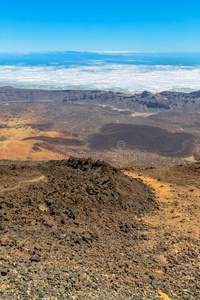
column 163, row 189
column 176, row 204
column 178, row 215
column 42, row 177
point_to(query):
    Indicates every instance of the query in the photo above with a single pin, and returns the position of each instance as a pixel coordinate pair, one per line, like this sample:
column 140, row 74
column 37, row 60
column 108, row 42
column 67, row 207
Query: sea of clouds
column 116, row 77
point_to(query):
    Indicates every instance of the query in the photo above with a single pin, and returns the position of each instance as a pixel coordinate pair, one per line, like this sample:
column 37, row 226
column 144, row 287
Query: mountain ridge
column 143, row 102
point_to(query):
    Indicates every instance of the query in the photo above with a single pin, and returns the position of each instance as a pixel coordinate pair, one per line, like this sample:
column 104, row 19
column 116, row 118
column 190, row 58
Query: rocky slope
column 164, row 101
column 82, row 229
column 63, row 227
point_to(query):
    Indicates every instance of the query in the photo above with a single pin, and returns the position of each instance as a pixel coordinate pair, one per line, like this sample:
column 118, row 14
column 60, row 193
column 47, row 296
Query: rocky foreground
column 80, row 229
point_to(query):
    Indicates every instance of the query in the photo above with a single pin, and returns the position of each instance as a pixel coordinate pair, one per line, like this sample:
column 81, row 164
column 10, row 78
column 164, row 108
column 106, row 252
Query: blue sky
column 99, row 25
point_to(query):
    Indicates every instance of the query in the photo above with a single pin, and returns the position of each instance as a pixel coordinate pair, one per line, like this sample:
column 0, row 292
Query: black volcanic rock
column 157, row 105
column 195, row 94
column 146, row 94
column 147, row 138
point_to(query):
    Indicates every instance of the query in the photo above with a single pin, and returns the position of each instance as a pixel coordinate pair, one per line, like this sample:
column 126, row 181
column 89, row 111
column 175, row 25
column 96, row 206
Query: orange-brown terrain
column 55, row 130
column 82, row 229
column 123, row 225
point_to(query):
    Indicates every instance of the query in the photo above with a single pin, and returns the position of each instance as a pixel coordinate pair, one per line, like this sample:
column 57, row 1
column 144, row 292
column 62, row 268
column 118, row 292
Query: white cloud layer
column 113, row 77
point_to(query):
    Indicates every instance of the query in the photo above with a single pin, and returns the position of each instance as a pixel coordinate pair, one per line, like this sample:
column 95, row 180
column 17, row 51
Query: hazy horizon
column 129, row 72
column 127, row 46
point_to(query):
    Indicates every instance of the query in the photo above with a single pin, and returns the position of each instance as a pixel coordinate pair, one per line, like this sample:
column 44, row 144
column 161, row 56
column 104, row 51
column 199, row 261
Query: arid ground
column 123, row 224
column 56, row 130
column 81, row 229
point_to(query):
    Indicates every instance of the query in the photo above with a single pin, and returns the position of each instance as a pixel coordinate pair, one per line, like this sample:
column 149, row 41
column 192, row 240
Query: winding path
column 42, row 177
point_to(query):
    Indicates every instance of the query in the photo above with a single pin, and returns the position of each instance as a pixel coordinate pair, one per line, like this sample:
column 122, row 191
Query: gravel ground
column 80, row 229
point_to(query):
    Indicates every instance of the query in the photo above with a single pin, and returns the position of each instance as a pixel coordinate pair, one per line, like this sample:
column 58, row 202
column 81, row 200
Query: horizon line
column 97, row 51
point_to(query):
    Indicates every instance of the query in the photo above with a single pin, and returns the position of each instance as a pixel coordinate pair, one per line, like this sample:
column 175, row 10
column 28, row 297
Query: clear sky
column 87, row 25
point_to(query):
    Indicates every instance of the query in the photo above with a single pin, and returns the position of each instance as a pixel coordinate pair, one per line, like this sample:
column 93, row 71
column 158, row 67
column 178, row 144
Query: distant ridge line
column 142, row 102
